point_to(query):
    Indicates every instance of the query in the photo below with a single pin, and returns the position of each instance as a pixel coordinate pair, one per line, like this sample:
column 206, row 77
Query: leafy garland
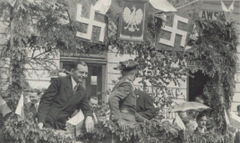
column 208, row 54
column 154, row 131
column 214, row 53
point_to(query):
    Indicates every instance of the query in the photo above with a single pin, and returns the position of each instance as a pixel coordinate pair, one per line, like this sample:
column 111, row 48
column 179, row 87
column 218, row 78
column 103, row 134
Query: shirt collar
column 74, row 83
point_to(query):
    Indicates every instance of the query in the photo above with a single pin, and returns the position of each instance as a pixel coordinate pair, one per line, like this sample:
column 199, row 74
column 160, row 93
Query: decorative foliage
column 214, row 53
column 27, row 131
column 19, row 130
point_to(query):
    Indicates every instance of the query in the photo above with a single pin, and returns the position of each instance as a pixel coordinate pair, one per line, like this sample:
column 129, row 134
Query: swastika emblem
column 90, row 22
column 175, row 31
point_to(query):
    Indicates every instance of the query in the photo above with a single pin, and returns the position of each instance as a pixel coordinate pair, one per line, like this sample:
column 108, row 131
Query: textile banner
column 132, row 23
column 89, row 18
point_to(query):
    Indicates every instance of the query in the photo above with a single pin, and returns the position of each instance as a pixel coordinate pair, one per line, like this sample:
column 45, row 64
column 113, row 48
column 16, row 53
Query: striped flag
column 4, row 109
column 226, row 117
column 178, row 121
column 20, row 107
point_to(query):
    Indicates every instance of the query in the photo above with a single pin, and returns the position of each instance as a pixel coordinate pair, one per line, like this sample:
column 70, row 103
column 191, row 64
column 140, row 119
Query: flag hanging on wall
column 89, row 18
column 4, row 109
column 132, row 21
column 20, row 107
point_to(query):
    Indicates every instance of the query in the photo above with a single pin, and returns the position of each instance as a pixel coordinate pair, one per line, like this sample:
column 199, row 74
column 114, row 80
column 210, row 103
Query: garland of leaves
column 214, row 53
column 154, row 131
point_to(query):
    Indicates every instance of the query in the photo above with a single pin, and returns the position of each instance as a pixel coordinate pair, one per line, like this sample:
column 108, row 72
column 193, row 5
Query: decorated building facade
column 101, row 65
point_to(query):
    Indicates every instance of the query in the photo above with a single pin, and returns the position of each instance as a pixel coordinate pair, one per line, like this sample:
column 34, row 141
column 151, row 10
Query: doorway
column 196, row 85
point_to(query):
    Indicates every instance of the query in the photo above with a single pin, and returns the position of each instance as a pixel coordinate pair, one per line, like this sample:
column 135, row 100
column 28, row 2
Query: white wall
column 113, row 59
column 4, row 63
column 236, row 98
column 37, row 76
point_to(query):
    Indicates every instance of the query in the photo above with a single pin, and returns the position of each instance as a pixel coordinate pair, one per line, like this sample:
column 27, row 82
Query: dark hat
column 127, row 65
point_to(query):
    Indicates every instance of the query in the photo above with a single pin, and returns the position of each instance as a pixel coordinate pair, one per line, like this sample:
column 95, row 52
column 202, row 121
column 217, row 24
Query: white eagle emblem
column 132, row 18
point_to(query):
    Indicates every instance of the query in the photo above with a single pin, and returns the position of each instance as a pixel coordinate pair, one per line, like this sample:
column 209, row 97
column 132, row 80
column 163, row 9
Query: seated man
column 145, row 105
column 63, row 97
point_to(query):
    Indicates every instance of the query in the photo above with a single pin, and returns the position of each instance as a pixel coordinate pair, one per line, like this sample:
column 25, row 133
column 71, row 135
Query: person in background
column 202, row 122
column 238, row 110
column 4, row 113
column 188, row 118
column 145, row 106
column 237, row 132
column 1, row 127
column 122, row 100
column 63, row 97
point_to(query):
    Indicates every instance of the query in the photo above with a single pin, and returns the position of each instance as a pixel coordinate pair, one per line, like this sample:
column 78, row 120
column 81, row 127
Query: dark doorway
column 94, row 82
column 196, row 85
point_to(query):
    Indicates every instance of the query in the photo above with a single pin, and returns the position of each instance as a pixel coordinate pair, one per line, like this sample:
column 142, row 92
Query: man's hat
column 127, row 65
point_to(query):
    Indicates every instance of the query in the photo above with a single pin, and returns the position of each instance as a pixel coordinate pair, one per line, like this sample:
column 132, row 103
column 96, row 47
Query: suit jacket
column 237, row 137
column 60, row 101
column 145, row 105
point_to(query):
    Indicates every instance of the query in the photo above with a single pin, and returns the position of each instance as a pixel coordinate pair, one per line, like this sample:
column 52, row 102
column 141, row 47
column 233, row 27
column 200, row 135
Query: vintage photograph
column 119, row 71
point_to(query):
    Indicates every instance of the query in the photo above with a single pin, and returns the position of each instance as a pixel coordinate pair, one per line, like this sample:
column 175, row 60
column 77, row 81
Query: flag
column 89, row 18
column 178, row 121
column 230, row 8
column 4, row 109
column 132, row 23
column 163, row 5
column 20, row 107
column 75, row 123
column 102, row 6
column 226, row 117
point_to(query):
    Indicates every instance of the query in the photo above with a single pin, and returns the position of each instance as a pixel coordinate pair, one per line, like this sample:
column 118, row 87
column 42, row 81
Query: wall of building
column 113, row 59
column 4, row 63
column 37, row 76
column 236, row 98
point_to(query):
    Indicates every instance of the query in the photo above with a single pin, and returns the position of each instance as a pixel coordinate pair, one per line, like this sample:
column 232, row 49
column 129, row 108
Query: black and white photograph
column 119, row 71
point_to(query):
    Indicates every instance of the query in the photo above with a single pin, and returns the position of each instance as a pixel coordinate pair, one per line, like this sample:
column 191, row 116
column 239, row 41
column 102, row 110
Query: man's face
column 80, row 73
column 202, row 122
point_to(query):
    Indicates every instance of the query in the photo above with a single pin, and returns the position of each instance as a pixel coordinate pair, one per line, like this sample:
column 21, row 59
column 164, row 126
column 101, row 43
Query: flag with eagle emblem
column 132, row 21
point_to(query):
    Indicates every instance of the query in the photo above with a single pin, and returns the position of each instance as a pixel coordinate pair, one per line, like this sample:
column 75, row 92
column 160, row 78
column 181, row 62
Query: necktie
column 75, row 87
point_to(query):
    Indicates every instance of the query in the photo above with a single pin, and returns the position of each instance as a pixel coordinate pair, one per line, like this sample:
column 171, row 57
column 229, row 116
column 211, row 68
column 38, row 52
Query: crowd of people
column 66, row 95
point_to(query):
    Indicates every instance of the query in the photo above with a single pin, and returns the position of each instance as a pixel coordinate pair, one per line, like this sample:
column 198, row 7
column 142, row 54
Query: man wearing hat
column 122, row 100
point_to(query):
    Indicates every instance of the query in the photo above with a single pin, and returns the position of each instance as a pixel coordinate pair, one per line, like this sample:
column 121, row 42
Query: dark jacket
column 237, row 137
column 145, row 105
column 60, row 101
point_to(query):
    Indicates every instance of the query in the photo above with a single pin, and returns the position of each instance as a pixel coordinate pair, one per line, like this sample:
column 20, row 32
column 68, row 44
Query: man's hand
column 122, row 124
column 89, row 124
column 40, row 125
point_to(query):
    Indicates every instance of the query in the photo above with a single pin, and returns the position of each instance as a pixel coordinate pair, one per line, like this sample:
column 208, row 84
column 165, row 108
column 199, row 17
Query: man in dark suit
column 145, row 105
column 63, row 97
